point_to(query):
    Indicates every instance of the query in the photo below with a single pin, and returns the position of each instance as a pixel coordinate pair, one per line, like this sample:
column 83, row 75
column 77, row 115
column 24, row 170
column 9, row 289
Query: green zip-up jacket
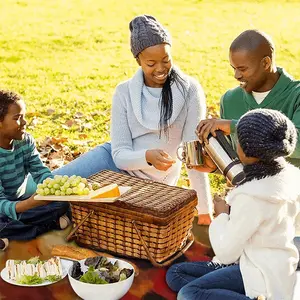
column 284, row 96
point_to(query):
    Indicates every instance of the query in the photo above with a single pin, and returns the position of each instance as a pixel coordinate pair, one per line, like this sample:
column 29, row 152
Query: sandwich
column 34, row 270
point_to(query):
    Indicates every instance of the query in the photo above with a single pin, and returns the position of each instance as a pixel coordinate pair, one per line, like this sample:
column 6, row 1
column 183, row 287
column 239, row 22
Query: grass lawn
column 66, row 56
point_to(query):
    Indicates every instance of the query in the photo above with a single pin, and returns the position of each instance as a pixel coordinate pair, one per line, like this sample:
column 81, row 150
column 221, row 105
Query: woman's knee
column 89, row 163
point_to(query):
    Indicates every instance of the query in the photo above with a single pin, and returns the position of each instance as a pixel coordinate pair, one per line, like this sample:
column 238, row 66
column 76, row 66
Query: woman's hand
column 205, row 127
column 159, row 159
column 220, row 206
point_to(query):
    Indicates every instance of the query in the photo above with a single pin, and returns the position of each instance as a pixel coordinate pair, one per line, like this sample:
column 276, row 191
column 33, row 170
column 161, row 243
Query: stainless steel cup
column 192, row 153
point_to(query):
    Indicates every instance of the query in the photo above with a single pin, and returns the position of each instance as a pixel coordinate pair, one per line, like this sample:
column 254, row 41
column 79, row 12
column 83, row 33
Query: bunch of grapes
column 63, row 186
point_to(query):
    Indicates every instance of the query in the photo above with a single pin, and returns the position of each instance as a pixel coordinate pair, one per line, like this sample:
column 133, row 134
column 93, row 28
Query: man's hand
column 205, row 127
column 220, row 206
column 29, row 203
column 159, row 159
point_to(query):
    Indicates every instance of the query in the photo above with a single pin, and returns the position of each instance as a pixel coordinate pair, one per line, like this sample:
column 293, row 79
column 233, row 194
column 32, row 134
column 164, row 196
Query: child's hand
column 29, row 204
column 220, row 206
column 208, row 164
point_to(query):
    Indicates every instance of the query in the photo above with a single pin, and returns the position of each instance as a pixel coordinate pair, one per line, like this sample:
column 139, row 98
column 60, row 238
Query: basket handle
column 71, row 234
column 170, row 259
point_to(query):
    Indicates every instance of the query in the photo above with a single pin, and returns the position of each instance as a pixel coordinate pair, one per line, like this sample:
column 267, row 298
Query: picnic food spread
column 100, row 271
column 76, row 185
column 34, row 271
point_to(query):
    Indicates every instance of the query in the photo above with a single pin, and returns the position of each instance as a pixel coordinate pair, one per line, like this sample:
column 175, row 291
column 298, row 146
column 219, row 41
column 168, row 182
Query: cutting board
column 85, row 198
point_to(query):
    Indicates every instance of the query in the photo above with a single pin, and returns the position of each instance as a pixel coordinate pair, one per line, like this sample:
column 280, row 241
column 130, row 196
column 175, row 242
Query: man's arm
column 296, row 121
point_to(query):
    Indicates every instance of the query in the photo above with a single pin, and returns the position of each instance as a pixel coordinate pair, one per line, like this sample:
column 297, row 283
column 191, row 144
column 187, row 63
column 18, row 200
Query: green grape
column 47, row 180
column 69, row 191
column 81, row 185
column 84, row 180
column 40, row 186
column 95, row 186
column 56, row 186
column 78, row 179
column 86, row 191
column 80, row 192
column 64, row 179
column 67, row 185
column 40, row 191
column 74, row 183
column 58, row 178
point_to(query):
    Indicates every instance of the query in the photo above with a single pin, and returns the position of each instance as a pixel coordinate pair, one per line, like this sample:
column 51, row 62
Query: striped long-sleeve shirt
column 15, row 165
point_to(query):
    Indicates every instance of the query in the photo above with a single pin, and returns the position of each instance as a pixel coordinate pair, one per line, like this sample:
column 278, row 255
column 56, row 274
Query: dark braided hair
column 166, row 100
column 6, row 99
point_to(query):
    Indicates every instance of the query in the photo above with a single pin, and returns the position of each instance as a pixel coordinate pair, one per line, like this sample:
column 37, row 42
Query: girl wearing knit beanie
column 152, row 114
column 252, row 235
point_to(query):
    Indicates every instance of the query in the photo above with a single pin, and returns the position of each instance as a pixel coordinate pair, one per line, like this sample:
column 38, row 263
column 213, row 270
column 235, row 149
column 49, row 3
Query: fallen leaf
column 50, row 111
column 79, row 143
column 83, row 136
column 69, row 123
column 77, row 121
column 78, row 115
column 87, row 125
column 55, row 163
column 59, row 140
column 34, row 121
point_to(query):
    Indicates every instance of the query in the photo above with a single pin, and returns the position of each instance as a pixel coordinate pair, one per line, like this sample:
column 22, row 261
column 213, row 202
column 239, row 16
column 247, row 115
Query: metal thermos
column 225, row 158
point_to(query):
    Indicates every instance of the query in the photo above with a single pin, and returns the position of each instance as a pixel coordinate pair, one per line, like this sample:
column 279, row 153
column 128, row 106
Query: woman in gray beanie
column 255, row 257
column 152, row 114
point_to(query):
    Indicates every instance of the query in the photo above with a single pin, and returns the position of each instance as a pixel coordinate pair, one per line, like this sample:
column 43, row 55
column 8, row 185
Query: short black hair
column 253, row 40
column 6, row 99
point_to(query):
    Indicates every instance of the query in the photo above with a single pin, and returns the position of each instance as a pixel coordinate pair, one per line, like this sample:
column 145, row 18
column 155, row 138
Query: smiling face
column 250, row 70
column 13, row 126
column 156, row 63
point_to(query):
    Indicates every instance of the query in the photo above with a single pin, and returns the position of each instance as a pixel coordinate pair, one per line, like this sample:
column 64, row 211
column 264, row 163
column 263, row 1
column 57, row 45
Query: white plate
column 65, row 267
column 87, row 198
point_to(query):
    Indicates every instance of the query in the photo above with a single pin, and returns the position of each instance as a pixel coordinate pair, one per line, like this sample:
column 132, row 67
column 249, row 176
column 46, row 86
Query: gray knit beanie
column 266, row 134
column 146, row 32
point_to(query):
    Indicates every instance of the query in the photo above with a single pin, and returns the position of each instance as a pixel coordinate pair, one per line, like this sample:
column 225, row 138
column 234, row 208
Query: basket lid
column 146, row 196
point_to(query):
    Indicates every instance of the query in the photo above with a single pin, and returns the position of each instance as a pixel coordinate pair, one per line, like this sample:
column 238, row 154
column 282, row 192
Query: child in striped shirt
column 22, row 217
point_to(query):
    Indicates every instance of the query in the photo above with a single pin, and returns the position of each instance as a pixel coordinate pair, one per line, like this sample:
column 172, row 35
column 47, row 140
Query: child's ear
column 138, row 61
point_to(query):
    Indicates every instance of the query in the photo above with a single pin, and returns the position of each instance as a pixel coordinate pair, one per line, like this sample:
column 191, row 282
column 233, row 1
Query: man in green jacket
column 262, row 85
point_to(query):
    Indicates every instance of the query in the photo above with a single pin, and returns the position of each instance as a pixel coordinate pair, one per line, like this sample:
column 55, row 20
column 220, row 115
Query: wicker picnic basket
column 150, row 221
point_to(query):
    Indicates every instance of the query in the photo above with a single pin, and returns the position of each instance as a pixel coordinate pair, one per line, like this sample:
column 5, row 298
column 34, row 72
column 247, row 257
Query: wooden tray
column 86, row 198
